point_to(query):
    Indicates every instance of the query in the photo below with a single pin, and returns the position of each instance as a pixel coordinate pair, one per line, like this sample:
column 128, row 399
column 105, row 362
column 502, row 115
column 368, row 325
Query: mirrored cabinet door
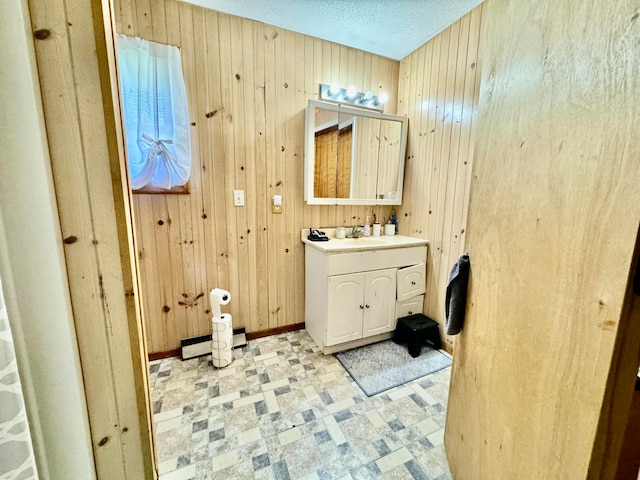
column 366, row 143
column 389, row 158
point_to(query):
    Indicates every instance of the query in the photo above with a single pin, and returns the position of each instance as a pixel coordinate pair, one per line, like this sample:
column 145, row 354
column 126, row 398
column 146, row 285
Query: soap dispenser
column 367, row 227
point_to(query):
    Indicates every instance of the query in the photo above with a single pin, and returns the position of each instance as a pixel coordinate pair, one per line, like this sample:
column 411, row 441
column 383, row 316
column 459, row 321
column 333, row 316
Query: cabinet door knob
column 367, row 306
column 361, row 307
column 413, row 283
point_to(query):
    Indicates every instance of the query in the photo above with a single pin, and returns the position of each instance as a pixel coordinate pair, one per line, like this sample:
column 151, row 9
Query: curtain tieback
column 158, row 148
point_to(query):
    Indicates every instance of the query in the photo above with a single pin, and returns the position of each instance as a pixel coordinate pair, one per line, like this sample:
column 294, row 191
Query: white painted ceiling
column 391, row 28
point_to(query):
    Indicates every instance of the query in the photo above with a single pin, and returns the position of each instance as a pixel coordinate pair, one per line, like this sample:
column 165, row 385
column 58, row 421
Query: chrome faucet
column 356, row 232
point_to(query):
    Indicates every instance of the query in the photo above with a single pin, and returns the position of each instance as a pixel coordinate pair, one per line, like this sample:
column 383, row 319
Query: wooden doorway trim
column 74, row 51
column 619, row 390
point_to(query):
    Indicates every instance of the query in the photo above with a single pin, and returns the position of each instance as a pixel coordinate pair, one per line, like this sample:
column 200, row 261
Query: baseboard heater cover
column 201, row 345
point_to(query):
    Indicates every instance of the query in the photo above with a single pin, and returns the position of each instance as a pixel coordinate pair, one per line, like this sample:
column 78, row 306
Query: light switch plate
column 238, row 198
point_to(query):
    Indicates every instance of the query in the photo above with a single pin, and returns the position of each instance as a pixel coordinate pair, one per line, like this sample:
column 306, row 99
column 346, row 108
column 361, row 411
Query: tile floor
column 283, row 410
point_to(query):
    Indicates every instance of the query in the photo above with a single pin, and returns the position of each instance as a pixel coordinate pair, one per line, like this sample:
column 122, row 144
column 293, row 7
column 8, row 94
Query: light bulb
column 351, row 92
column 334, row 89
column 383, row 97
column 366, row 97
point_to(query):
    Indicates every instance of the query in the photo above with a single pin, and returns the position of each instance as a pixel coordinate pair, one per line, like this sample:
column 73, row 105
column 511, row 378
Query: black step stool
column 416, row 330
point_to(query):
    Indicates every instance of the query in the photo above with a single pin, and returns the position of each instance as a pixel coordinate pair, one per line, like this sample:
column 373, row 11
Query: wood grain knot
column 166, row 309
column 42, row 34
column 103, row 442
column 160, row 222
column 70, row 239
column 237, row 76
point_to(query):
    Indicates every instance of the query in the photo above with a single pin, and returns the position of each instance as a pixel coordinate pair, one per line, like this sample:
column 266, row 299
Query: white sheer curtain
column 16, row 450
column 156, row 113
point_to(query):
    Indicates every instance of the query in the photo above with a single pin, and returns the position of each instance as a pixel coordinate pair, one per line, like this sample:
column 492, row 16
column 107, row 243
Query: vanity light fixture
column 351, row 96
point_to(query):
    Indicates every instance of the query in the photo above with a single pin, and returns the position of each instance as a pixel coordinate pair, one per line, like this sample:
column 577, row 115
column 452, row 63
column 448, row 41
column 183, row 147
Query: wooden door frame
column 619, row 390
column 75, row 57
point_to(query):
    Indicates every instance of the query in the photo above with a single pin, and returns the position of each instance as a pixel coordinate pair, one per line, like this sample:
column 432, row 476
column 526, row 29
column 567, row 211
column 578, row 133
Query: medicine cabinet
column 353, row 156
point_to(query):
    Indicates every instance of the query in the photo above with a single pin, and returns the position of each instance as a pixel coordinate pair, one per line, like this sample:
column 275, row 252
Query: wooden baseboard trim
column 250, row 336
column 275, row 331
column 161, row 355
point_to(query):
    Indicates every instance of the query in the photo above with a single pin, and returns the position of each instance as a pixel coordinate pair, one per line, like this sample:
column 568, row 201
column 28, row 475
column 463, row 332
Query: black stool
column 415, row 330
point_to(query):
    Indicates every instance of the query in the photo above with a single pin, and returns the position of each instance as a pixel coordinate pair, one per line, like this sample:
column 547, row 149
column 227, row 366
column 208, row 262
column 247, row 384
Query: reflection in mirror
column 345, row 156
column 326, row 153
column 353, row 156
column 365, row 166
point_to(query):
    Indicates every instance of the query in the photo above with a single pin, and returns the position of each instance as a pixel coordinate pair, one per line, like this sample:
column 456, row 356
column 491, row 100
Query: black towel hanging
column 456, row 298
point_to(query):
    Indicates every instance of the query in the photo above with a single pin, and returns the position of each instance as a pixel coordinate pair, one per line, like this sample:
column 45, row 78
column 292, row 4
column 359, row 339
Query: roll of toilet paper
column 225, row 335
column 221, row 358
column 222, row 327
column 221, row 333
column 220, row 344
column 219, row 296
column 221, row 340
column 223, row 322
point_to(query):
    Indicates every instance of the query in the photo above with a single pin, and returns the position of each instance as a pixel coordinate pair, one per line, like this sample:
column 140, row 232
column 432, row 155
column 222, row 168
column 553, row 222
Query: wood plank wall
column 438, row 91
column 248, row 85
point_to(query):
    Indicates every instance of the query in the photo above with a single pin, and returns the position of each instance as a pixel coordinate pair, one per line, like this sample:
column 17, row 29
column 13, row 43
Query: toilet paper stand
column 221, row 329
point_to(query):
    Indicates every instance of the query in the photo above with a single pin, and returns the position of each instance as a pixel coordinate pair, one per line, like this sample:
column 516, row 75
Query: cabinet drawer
column 409, row 307
column 411, row 281
column 363, row 261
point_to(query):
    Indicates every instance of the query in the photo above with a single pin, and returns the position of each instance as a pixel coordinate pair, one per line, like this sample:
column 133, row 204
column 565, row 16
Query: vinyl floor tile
column 284, row 411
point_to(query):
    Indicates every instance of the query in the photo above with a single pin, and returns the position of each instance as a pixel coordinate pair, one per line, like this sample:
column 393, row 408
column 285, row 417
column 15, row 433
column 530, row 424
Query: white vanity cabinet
column 356, row 289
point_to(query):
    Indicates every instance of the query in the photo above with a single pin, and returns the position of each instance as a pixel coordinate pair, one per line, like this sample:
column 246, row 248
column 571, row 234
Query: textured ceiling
column 391, row 28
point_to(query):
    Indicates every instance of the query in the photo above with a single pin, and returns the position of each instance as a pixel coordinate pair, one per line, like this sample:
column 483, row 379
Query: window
column 156, row 116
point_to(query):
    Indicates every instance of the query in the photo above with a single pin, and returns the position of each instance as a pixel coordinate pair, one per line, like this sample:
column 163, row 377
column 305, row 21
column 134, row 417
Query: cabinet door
column 379, row 302
column 346, row 304
column 411, row 281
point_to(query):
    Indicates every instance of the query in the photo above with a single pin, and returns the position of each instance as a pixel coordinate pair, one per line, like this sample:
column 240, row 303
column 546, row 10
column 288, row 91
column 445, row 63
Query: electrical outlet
column 238, row 198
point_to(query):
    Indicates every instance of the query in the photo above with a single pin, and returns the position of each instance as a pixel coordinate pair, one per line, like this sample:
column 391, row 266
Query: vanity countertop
column 363, row 243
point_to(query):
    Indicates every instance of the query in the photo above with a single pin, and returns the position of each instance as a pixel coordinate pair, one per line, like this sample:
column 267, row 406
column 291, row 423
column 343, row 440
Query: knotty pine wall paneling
column 248, row 84
column 438, row 91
